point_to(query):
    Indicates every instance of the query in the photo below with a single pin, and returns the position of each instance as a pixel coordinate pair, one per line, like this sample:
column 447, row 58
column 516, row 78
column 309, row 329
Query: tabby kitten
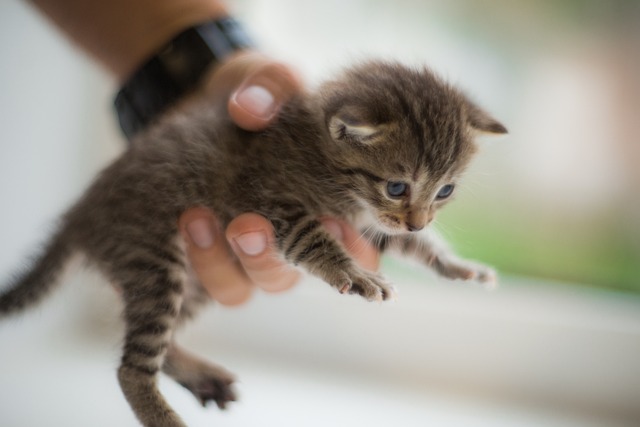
column 382, row 146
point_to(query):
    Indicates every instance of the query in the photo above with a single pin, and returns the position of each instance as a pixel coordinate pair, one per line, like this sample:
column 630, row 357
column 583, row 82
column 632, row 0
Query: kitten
column 382, row 146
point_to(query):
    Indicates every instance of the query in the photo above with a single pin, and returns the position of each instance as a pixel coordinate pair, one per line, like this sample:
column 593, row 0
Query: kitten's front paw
column 371, row 286
column 456, row 269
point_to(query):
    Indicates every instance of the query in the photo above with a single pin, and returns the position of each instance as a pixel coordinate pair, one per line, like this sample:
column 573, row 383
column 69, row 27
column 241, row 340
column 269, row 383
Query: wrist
column 166, row 19
column 122, row 34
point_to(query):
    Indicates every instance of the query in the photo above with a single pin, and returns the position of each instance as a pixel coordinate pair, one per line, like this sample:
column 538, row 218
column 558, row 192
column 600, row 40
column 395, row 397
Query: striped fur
column 388, row 123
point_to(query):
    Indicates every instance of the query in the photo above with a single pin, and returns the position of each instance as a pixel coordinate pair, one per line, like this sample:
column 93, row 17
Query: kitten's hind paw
column 206, row 381
column 213, row 386
column 371, row 286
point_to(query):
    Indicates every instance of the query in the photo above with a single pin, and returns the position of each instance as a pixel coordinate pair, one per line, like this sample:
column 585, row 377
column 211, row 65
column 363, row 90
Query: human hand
column 232, row 263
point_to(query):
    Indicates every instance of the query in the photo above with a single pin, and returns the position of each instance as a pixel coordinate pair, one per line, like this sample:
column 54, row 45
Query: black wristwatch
column 175, row 71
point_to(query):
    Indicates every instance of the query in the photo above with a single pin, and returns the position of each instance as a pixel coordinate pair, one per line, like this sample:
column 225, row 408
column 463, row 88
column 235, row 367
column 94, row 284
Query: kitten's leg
column 307, row 244
column 430, row 250
column 152, row 303
column 206, row 381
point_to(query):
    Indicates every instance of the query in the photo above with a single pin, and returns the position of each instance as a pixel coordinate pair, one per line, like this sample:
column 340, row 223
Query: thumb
column 258, row 99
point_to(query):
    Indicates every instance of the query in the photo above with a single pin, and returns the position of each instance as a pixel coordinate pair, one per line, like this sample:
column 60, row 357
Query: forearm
column 121, row 34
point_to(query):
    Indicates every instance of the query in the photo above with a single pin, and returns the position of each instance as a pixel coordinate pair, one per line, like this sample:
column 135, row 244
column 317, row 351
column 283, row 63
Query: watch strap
column 176, row 70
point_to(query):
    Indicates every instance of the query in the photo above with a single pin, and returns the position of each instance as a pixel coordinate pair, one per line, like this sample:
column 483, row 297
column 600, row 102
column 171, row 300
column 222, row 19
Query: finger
column 355, row 243
column 251, row 237
column 260, row 96
column 211, row 259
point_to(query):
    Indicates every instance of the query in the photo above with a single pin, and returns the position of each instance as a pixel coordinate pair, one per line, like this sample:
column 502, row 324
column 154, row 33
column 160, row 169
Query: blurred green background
column 577, row 218
column 587, row 251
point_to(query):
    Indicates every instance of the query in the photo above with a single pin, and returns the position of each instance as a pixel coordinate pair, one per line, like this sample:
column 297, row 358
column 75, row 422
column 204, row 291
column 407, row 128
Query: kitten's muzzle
column 418, row 219
column 414, row 227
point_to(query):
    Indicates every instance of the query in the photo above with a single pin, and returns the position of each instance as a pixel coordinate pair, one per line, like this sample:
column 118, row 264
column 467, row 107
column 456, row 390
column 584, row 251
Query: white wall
column 55, row 128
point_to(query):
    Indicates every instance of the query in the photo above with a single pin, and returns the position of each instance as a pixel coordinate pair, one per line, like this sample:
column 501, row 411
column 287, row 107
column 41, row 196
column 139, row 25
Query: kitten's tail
column 32, row 285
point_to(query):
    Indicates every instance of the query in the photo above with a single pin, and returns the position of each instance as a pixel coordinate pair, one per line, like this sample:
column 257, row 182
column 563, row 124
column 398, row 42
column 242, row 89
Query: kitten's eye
column 445, row 192
column 396, row 189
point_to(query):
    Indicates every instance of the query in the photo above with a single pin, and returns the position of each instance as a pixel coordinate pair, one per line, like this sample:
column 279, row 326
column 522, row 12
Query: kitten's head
column 401, row 138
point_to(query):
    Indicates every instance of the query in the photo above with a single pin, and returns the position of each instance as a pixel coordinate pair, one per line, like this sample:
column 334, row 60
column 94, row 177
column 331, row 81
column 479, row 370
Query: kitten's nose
column 413, row 227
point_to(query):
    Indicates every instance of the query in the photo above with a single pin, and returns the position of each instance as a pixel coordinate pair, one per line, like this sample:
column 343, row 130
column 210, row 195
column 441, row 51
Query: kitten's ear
column 481, row 121
column 346, row 126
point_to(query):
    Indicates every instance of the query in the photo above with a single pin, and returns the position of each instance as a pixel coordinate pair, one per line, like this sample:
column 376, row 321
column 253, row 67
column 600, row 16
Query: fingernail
column 333, row 228
column 256, row 100
column 253, row 243
column 200, row 233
